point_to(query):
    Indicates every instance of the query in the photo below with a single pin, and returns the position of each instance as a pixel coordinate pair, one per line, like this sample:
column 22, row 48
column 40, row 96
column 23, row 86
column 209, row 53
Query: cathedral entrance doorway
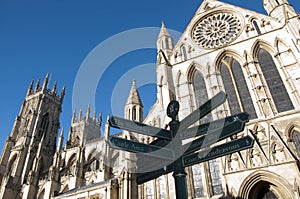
column 263, row 190
column 265, row 185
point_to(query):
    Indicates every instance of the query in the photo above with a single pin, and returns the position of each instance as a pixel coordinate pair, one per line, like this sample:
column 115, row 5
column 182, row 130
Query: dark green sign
column 214, row 136
column 203, row 110
column 218, row 151
column 145, row 177
column 137, row 147
column 139, row 127
column 212, row 126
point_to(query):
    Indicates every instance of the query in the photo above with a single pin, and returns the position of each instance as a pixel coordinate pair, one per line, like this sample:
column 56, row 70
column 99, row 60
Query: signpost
column 180, row 155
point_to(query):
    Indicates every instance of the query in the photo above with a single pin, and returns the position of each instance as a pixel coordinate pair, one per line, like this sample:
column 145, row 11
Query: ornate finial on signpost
column 172, row 109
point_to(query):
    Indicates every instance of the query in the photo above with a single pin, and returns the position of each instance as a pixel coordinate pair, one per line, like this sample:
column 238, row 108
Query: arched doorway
column 263, row 190
column 265, row 185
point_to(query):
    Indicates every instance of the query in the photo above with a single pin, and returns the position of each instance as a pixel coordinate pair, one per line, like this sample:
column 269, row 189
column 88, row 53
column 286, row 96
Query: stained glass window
column 200, row 92
column 296, row 141
column 215, row 176
column 236, row 87
column 197, row 180
column 275, row 84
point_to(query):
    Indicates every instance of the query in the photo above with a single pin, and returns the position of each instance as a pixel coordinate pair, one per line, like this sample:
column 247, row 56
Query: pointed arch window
column 255, row 24
column 296, row 141
column 184, row 54
column 44, row 124
column 197, row 180
column 238, row 94
column 274, row 82
column 215, row 176
column 200, row 91
column 167, row 43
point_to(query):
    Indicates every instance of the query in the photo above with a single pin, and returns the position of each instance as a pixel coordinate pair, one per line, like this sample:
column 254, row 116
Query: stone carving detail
column 216, row 30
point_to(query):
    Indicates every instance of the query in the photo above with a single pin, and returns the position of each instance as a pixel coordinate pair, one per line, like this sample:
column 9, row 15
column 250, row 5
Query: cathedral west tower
column 29, row 149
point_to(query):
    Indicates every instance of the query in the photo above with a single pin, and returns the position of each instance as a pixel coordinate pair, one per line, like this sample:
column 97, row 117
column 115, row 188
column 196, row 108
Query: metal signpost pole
column 179, row 174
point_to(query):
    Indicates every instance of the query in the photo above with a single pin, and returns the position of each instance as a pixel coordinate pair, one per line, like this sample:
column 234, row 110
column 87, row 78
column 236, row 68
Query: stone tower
column 29, row 149
column 165, row 86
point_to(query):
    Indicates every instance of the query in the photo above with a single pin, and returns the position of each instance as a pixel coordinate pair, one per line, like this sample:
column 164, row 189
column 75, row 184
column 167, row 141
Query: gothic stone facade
column 254, row 58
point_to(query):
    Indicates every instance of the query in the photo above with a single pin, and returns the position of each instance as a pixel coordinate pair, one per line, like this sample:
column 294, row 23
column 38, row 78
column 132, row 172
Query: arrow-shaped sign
column 212, row 126
column 139, row 127
column 137, row 147
column 214, row 136
column 218, row 151
column 203, row 110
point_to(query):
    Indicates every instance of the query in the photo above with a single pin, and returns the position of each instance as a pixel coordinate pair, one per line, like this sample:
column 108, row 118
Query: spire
column 134, row 97
column 163, row 31
column 45, row 84
column 30, row 87
column 164, row 40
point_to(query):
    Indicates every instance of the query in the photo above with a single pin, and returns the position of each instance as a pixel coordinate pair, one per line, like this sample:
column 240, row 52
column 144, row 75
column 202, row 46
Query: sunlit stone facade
column 254, row 58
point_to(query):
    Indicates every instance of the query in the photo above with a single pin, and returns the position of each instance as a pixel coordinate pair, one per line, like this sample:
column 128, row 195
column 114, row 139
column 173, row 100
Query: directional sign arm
column 145, row 177
column 212, row 126
column 139, row 127
column 218, row 151
column 214, row 136
column 203, row 110
column 137, row 147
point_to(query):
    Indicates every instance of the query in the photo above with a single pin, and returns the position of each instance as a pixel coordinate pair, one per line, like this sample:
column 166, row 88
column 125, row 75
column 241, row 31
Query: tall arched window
column 296, row 141
column 215, row 176
column 274, row 82
column 197, row 180
column 183, row 51
column 255, row 24
column 44, row 124
column 238, row 94
column 200, row 91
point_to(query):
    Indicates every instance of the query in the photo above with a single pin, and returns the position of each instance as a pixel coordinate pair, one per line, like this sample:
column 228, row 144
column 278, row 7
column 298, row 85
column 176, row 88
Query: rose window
column 216, row 30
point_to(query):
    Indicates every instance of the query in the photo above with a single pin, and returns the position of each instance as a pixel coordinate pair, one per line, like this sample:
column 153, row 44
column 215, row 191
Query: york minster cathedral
column 254, row 58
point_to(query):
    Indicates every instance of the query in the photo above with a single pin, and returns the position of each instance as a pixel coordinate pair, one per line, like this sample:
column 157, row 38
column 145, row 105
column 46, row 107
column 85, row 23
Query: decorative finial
column 37, row 85
column 74, row 116
column 80, row 115
column 54, row 87
column 62, row 94
column 45, row 84
column 30, row 87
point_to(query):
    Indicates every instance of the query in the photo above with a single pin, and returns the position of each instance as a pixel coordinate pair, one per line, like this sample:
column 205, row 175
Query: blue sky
column 56, row 36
